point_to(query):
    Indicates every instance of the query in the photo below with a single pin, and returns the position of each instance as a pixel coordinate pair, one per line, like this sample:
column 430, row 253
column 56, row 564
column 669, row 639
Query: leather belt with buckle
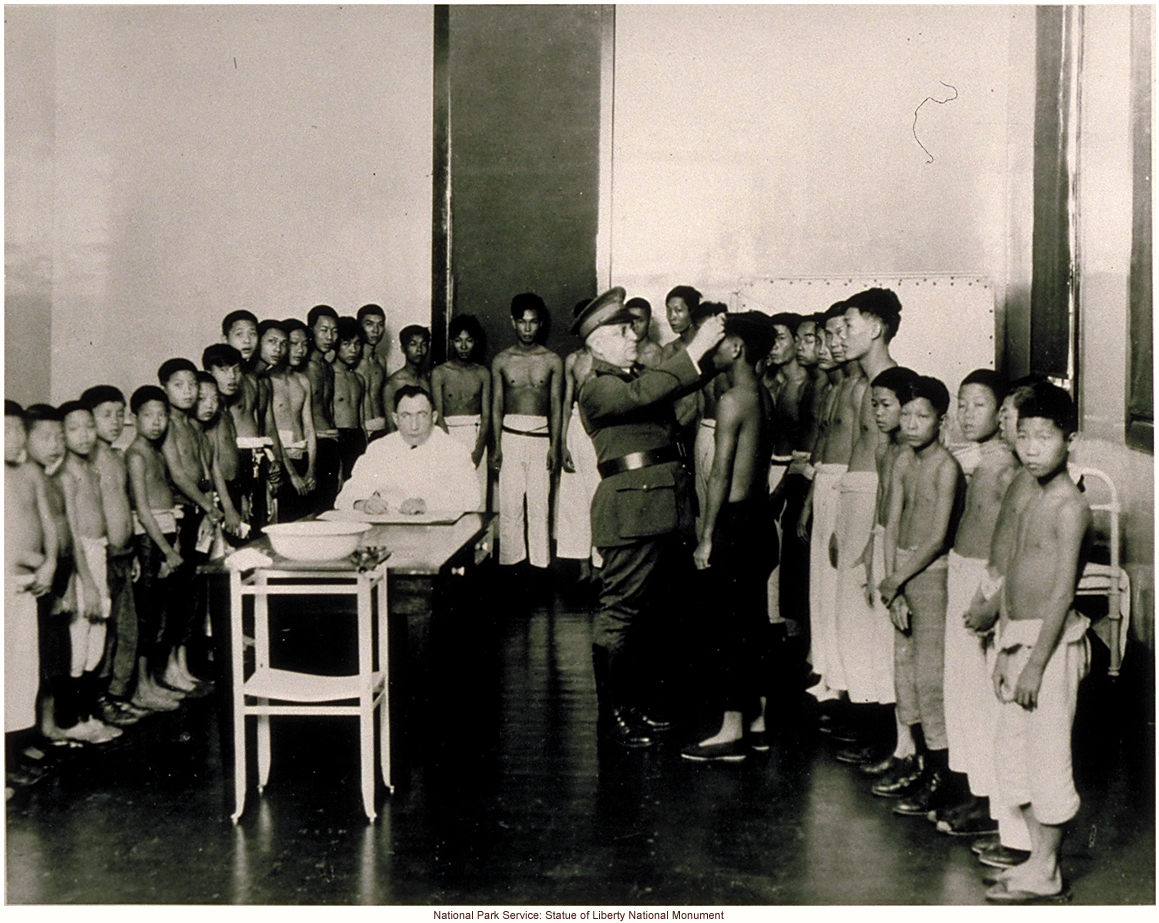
column 633, row 461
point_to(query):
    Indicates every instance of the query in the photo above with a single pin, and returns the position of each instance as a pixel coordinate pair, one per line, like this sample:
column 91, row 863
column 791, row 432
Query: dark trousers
column 644, row 601
column 120, row 658
column 744, row 553
column 794, row 580
column 292, row 505
column 327, row 464
column 351, row 445
column 151, row 598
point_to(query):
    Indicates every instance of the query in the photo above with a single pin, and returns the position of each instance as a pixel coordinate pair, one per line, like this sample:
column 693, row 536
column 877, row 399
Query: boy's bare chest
column 526, row 372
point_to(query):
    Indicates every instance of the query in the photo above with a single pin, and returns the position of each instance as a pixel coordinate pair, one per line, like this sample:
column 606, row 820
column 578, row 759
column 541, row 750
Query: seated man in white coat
column 417, row 468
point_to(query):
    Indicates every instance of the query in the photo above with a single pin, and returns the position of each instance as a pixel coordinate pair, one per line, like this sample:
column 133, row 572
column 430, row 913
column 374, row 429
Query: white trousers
column 773, row 587
column 524, row 479
column 864, row 639
column 1033, row 753
column 21, row 653
column 465, row 429
column 88, row 638
column 823, row 576
column 573, row 499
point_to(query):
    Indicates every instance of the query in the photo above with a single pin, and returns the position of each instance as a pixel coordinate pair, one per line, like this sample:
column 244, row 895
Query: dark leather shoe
column 969, row 826
column 624, row 731
column 732, row 752
column 898, row 782
column 929, row 797
column 880, row 768
column 651, row 722
column 856, row 756
column 983, row 843
column 758, row 740
column 1003, row 857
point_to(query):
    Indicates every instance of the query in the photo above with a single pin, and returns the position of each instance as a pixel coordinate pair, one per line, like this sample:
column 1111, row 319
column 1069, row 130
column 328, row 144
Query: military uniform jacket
column 626, row 412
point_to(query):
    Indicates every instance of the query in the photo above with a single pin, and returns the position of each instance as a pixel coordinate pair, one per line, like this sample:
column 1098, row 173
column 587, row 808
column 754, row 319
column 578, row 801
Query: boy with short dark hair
column 1043, row 652
column 891, row 391
column 349, row 388
column 734, row 544
column 924, row 506
column 648, row 351
column 372, row 369
column 526, row 399
column 156, row 538
column 461, row 391
column 88, row 622
column 323, row 323
column 107, row 404
column 293, row 416
column 30, row 554
column 989, row 466
column 190, row 461
column 416, row 343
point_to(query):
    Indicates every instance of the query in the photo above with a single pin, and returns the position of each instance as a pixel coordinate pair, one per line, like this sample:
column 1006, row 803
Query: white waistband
column 464, row 419
column 708, row 422
column 525, row 422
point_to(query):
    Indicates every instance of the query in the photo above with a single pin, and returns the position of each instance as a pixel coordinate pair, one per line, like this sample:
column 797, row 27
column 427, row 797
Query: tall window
column 1055, row 286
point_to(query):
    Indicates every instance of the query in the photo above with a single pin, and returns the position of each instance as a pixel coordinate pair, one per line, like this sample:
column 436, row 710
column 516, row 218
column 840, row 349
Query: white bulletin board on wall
column 947, row 320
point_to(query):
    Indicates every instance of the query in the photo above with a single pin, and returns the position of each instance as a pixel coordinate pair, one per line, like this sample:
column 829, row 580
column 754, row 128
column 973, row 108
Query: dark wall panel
column 524, row 130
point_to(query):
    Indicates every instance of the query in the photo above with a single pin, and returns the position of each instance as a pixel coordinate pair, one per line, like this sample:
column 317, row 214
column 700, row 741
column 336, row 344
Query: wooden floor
column 510, row 800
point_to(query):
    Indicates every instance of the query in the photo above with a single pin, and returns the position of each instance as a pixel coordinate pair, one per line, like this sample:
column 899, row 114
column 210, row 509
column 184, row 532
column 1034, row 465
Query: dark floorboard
column 510, row 801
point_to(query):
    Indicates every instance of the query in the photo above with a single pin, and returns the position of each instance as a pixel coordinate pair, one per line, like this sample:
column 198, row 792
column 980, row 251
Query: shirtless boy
column 349, row 390
column 107, row 404
column 578, row 477
column 526, row 407
column 373, row 370
column 647, row 350
column 704, row 419
column 293, row 416
column 831, row 461
column 189, row 459
column 786, row 381
column 58, row 713
column 461, row 391
column 30, row 554
column 1042, row 648
column 734, row 540
column 157, row 552
column 970, row 706
column 1013, row 842
column 864, row 641
column 924, row 506
column 86, row 519
column 793, row 577
column 890, row 392
column 323, row 323
column 416, row 343
column 248, row 403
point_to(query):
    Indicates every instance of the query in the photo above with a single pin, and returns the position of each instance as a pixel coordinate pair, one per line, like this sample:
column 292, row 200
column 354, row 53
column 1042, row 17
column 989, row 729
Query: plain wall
column 779, row 141
column 212, row 158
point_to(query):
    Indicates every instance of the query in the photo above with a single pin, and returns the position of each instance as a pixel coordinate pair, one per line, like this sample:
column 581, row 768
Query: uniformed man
column 642, row 510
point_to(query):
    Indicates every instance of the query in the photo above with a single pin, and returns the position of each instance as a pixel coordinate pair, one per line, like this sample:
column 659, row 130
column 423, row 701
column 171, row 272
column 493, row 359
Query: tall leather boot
column 614, row 716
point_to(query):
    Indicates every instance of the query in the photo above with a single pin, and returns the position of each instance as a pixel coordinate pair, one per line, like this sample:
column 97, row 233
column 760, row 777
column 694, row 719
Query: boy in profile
column 157, row 543
column 1042, row 648
column 349, row 389
column 30, row 552
column 461, row 391
column 107, row 404
column 293, row 416
column 373, row 370
column 989, row 466
column 416, row 343
column 924, row 505
column 735, row 541
column 526, row 399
